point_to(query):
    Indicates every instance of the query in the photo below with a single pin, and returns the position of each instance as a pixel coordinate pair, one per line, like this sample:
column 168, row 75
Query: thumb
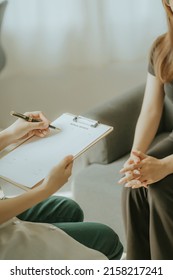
column 67, row 161
column 139, row 154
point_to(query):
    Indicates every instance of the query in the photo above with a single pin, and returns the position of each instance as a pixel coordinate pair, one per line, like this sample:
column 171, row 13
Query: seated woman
column 36, row 225
column 148, row 196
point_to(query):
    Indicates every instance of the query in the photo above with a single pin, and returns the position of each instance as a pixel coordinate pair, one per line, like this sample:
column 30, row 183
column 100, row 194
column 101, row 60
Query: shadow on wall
column 69, row 55
column 2, row 53
column 46, row 35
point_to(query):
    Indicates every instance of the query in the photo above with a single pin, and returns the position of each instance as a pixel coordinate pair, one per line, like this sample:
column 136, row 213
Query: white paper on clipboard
column 30, row 162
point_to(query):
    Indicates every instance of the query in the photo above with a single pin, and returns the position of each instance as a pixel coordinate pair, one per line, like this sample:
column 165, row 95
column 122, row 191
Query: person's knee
column 159, row 191
column 116, row 247
column 78, row 215
column 71, row 209
column 110, row 243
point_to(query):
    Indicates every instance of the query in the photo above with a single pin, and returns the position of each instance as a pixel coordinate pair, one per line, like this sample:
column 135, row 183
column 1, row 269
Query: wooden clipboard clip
column 86, row 121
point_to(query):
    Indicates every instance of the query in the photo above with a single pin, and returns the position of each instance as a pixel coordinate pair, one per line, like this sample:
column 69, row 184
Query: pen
column 30, row 119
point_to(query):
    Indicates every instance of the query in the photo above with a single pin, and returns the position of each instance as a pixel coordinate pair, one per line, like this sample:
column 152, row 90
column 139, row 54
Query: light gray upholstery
column 96, row 187
column 116, row 112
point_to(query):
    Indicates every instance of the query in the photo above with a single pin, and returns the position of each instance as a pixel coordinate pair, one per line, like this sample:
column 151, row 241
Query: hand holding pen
column 31, row 118
column 29, row 124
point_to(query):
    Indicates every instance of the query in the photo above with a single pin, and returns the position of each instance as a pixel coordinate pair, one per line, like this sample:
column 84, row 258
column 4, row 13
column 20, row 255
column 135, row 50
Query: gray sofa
column 96, row 187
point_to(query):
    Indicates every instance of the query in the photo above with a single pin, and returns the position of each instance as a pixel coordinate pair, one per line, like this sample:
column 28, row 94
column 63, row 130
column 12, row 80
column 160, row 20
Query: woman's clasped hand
column 141, row 170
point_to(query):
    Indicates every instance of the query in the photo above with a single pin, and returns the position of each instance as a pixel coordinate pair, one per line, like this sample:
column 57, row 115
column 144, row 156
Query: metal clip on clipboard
column 86, row 121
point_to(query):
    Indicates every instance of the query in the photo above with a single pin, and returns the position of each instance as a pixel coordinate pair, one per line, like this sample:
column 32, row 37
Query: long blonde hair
column 162, row 50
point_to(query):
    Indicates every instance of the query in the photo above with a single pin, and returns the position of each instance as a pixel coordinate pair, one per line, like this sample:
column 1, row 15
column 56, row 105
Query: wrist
column 44, row 190
column 139, row 148
column 41, row 191
column 6, row 139
column 167, row 163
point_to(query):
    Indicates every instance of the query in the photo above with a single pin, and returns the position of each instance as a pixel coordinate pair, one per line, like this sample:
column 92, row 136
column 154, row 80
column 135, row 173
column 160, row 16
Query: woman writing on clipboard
column 49, row 227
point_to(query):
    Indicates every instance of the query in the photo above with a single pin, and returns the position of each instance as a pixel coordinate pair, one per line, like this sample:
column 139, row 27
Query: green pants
column 66, row 214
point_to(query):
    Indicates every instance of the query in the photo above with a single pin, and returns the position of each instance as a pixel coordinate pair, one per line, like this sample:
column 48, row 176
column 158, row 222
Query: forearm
column 5, row 139
column 146, row 130
column 168, row 164
column 12, row 207
column 150, row 115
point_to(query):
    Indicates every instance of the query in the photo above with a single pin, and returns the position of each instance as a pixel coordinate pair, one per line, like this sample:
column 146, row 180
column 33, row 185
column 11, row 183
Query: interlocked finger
column 128, row 176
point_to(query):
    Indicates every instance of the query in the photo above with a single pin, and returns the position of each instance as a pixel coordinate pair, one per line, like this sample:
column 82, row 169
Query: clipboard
column 30, row 162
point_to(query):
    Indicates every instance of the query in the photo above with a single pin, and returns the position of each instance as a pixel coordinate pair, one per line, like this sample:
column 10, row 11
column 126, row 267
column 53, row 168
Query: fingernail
column 136, row 172
column 120, row 181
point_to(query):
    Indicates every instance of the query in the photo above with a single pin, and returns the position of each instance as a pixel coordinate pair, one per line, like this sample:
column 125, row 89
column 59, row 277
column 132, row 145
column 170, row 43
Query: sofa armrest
column 121, row 112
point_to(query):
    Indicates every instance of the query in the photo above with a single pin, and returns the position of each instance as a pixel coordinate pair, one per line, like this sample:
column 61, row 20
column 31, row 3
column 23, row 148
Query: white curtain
column 48, row 34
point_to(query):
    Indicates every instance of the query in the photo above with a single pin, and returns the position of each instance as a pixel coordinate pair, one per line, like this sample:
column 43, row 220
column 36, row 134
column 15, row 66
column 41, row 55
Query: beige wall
column 69, row 55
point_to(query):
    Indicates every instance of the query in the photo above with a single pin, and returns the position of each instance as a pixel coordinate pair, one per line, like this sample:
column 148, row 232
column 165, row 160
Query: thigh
column 96, row 236
column 55, row 209
column 136, row 222
column 160, row 198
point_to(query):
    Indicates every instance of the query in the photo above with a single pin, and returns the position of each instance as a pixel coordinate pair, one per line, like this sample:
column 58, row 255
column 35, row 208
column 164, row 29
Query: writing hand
column 22, row 129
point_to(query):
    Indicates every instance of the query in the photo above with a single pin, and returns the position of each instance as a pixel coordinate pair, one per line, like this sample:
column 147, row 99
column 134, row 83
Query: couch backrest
column 167, row 118
column 122, row 113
